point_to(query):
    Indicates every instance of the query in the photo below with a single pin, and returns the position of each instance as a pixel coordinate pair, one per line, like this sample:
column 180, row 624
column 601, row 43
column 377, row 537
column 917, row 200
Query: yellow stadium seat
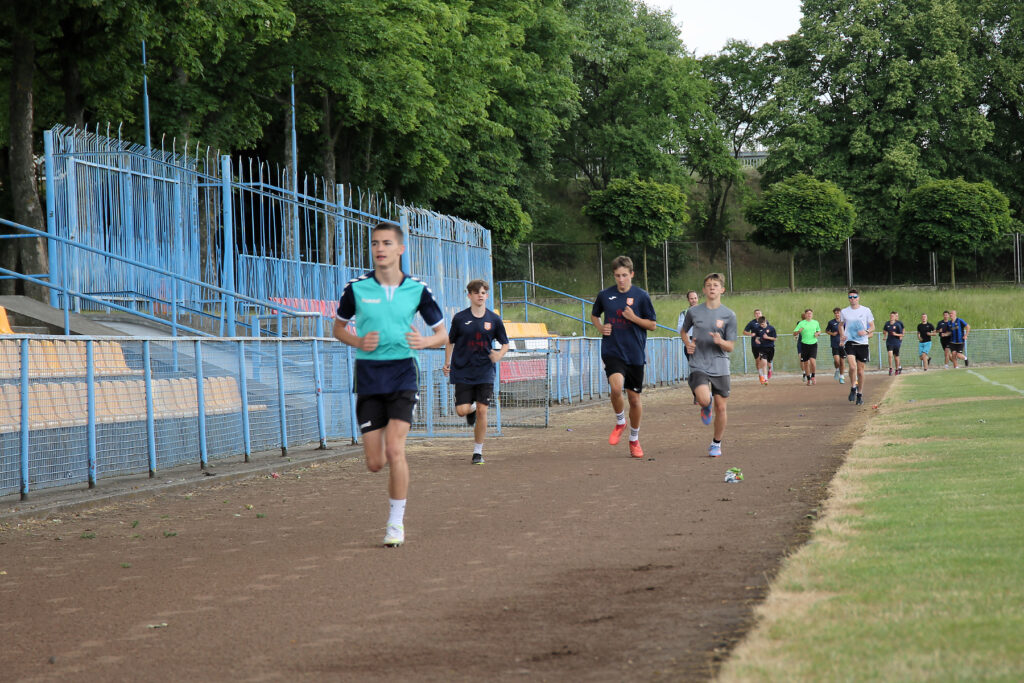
column 5, row 324
column 10, row 359
column 41, row 410
column 10, row 409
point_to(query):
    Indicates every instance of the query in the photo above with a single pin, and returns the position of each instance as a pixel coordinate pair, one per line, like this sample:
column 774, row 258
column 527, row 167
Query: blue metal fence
column 238, row 225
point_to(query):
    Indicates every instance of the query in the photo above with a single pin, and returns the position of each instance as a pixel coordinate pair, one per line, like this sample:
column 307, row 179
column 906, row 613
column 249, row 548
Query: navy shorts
column 374, row 411
column 838, row 351
column 473, row 393
column 633, row 375
column 895, row 348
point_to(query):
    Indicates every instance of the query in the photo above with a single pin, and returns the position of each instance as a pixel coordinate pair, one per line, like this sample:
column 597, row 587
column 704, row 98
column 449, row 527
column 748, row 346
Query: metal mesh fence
column 582, row 269
column 138, row 415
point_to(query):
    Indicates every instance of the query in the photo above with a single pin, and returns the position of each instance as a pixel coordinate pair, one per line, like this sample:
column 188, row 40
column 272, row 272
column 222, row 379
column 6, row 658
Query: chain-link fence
column 674, row 267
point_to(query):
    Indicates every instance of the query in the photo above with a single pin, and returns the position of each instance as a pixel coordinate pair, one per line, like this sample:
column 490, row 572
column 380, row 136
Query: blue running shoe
column 705, row 415
column 715, row 450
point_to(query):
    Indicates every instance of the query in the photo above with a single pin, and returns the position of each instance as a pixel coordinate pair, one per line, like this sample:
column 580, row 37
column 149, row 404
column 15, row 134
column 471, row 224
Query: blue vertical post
column 147, row 369
column 24, row 419
column 547, row 387
column 283, row 411
column 430, row 400
column 321, row 419
column 201, row 400
column 497, row 396
column 90, row 401
column 243, row 390
column 69, row 267
column 353, row 418
column 743, row 351
column 228, row 276
column 1009, row 343
column 178, row 261
column 52, row 247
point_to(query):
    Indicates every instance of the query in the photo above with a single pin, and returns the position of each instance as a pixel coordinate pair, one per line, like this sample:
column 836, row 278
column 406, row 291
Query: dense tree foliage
column 801, row 212
column 954, row 217
column 480, row 107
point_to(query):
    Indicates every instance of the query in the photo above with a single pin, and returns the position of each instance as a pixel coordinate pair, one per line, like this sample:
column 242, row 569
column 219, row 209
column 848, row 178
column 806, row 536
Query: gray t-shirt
column 700, row 322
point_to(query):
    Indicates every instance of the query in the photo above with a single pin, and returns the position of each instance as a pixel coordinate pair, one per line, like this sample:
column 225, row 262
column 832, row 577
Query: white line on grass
column 1005, row 386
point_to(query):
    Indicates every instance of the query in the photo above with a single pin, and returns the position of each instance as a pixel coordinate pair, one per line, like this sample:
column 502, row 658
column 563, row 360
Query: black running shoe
column 471, row 418
column 478, row 459
column 860, row 399
column 853, row 393
column 967, row 363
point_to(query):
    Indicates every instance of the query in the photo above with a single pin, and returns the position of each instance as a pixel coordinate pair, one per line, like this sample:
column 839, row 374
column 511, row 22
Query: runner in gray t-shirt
column 709, row 334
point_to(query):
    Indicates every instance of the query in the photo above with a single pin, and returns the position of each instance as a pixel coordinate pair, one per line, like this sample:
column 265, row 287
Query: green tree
column 633, row 211
column 743, row 80
column 801, row 212
column 877, row 98
column 955, row 217
column 639, row 91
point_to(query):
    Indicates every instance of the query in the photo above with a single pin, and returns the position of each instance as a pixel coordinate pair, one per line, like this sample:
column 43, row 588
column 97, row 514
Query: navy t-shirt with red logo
column 627, row 342
column 473, row 339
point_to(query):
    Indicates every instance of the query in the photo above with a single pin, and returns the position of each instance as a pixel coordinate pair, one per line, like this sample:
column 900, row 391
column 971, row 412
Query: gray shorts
column 719, row 384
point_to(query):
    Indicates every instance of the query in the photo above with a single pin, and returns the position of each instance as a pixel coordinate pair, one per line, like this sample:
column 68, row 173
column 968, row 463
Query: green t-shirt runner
column 808, row 329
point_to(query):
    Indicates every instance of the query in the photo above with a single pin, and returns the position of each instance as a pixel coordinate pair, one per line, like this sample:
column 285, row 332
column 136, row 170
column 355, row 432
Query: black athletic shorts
column 374, row 411
column 719, row 384
column 808, row 351
column 473, row 393
column 768, row 354
column 633, row 375
column 858, row 351
column 838, row 351
column 895, row 348
column 956, row 347
column 944, row 342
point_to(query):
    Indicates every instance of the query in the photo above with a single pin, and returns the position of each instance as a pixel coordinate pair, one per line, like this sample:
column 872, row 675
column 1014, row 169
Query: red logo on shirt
column 629, row 301
column 718, row 323
column 487, row 326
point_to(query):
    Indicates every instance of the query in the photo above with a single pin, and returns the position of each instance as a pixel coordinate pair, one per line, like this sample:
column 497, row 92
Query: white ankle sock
column 397, row 511
column 478, row 448
column 620, row 418
column 634, row 434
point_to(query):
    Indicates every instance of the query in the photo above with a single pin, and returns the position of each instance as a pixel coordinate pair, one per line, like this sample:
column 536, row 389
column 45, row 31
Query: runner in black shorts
column 383, row 304
column 944, row 333
column 751, row 330
column 469, row 359
column 764, row 342
column 838, row 352
column 628, row 317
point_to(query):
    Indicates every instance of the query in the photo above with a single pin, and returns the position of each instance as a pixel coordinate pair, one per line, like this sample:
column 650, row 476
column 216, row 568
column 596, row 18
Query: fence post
column 1009, row 343
column 201, row 400
column 321, row 420
column 283, row 409
column 600, row 262
column 849, row 262
column 353, row 419
column 666, row 267
column 147, row 370
column 51, row 217
column 243, row 392
column 24, row 419
column 228, row 277
column 90, row 402
column 728, row 263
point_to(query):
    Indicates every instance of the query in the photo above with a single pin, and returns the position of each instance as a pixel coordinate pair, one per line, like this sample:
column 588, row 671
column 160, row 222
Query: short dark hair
column 837, row 310
column 692, row 291
column 852, row 291
column 476, row 286
column 893, row 313
column 760, row 320
column 393, row 227
column 622, row 262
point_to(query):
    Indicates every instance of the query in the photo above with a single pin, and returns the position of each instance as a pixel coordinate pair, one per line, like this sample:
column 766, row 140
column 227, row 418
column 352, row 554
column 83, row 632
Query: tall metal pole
column 849, row 263
column 295, row 176
column 145, row 96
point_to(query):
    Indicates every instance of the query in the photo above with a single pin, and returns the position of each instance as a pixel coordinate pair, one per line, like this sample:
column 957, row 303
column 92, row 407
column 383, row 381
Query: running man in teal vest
column 383, row 304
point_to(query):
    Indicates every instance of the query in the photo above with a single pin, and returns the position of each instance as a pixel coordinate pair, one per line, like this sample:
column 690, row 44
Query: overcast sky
column 707, row 24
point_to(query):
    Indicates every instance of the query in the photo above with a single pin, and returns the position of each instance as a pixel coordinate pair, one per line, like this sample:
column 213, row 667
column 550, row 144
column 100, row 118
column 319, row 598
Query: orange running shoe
column 635, row 450
column 616, row 434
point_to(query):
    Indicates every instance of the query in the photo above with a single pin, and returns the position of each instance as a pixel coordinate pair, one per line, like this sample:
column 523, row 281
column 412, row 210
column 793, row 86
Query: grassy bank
column 916, row 570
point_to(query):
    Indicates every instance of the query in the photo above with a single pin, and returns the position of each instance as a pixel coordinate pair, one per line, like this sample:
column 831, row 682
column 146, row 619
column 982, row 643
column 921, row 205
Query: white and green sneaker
column 394, row 536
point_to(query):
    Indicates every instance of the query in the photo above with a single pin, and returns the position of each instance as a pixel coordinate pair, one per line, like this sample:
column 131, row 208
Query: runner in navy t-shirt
column 628, row 317
column 838, row 352
column 893, row 340
column 469, row 359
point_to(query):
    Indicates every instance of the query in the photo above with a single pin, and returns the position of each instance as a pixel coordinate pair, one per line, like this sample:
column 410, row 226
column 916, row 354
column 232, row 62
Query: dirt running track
column 560, row 559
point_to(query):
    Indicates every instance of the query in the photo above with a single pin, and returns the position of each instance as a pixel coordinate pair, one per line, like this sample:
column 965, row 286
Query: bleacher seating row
column 63, row 358
column 53, row 405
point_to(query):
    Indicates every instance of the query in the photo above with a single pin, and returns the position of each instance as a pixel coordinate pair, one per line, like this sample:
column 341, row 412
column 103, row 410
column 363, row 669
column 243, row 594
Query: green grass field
column 916, row 570
column 982, row 308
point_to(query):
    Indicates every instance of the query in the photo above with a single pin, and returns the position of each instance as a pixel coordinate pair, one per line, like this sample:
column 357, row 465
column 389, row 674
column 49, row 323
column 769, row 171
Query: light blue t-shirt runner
column 701, row 321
